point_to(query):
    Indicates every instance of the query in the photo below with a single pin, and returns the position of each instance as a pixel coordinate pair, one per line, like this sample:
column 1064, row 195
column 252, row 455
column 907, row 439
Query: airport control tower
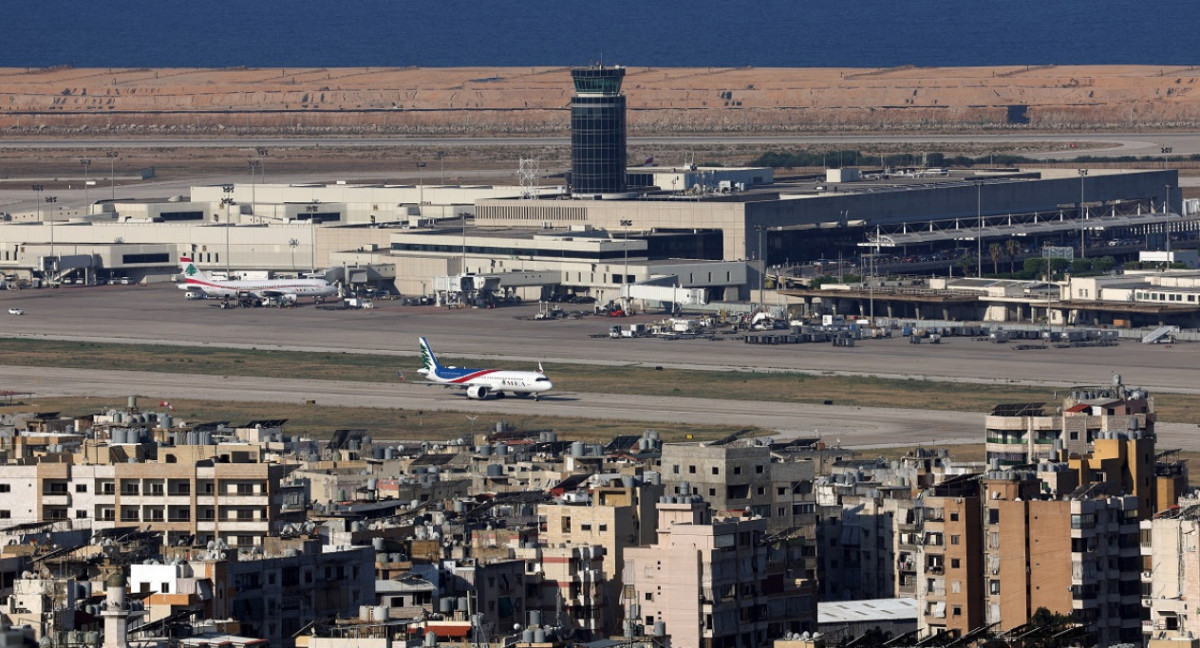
column 597, row 132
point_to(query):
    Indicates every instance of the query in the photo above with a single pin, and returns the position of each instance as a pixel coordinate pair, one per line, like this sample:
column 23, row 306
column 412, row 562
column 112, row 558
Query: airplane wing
column 437, row 384
column 272, row 292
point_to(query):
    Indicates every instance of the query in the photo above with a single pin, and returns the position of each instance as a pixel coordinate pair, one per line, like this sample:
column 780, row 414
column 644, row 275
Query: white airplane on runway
column 196, row 280
column 481, row 383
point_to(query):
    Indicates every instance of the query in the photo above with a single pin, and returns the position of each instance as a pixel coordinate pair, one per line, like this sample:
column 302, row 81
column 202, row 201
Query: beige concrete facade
column 1171, row 583
column 724, row 566
column 949, row 560
column 238, row 503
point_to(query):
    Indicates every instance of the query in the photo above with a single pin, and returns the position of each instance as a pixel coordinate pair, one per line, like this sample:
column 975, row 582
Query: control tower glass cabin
column 597, row 132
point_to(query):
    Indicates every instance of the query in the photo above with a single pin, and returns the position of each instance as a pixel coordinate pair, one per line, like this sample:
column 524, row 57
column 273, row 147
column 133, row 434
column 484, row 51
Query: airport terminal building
column 724, row 229
column 610, row 232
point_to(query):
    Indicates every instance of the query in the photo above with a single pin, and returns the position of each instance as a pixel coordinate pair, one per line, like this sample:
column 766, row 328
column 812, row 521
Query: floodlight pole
column 979, row 223
column 1082, row 226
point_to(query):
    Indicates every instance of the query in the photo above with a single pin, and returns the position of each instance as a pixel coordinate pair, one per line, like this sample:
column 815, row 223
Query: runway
column 1106, row 144
column 159, row 315
column 853, row 427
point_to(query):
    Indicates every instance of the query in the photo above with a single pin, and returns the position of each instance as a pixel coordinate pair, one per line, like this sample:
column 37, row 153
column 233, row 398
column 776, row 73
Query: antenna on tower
column 527, row 177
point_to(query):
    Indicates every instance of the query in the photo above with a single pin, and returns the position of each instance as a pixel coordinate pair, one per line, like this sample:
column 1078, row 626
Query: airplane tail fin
column 428, row 361
column 190, row 271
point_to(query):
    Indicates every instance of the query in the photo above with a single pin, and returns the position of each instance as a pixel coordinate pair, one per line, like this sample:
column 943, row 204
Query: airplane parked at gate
column 482, row 383
column 196, row 281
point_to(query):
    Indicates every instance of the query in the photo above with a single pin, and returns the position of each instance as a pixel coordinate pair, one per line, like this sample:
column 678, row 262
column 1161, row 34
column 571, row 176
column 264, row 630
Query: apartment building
column 709, row 582
column 743, row 477
column 1025, row 433
column 857, row 544
column 572, row 579
column 272, row 590
column 195, row 493
column 1076, row 554
column 1171, row 580
column 948, row 558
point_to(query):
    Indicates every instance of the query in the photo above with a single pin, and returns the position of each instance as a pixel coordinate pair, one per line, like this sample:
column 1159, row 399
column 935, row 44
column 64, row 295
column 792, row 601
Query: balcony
column 56, row 499
column 1006, row 440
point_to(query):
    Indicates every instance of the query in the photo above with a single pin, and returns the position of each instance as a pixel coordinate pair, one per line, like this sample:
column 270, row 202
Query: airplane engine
column 478, row 392
column 288, row 300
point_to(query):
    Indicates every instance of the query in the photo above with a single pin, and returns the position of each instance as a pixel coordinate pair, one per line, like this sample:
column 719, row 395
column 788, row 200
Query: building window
column 691, row 470
column 649, row 596
column 957, row 610
column 565, row 524
column 603, row 528
column 675, row 469
column 80, row 488
column 993, row 516
column 758, row 470
column 712, row 492
column 5, row 488
column 585, row 526
column 954, row 517
column 954, row 563
column 716, row 470
column 80, row 514
column 955, row 539
column 993, row 587
column 737, row 470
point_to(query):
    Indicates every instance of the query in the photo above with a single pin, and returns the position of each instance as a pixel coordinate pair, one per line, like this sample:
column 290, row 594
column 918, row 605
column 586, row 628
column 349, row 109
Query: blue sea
column 761, row 33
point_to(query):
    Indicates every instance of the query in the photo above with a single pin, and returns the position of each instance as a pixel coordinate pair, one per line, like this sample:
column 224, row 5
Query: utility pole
column 1082, row 226
column 441, row 156
column 1166, row 223
column 625, row 275
column 979, row 225
column 762, row 264
column 254, row 165
column 50, row 213
column 85, row 163
column 112, row 174
column 262, row 153
column 1166, row 150
column 312, row 227
column 37, row 189
column 226, row 202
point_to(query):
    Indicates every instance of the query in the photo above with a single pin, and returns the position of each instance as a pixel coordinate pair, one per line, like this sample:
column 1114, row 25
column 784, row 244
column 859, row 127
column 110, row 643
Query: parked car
column 16, row 311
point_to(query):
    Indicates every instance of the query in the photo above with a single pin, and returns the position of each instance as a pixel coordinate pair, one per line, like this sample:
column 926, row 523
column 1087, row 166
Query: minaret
column 116, row 613
column 597, row 132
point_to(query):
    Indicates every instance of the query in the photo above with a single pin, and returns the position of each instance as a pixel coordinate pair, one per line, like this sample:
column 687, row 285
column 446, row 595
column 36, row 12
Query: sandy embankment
column 461, row 101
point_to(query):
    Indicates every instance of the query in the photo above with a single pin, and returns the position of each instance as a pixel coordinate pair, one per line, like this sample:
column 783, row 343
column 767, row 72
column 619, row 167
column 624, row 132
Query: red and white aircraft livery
column 196, row 280
column 481, row 383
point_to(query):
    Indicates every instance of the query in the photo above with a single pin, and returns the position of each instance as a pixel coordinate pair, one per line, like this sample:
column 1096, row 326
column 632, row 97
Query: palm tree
column 996, row 251
column 1012, row 247
column 965, row 262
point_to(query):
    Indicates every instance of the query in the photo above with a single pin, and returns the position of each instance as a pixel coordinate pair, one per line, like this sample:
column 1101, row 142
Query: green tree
column 1104, row 264
column 996, row 250
column 966, row 262
column 1012, row 247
